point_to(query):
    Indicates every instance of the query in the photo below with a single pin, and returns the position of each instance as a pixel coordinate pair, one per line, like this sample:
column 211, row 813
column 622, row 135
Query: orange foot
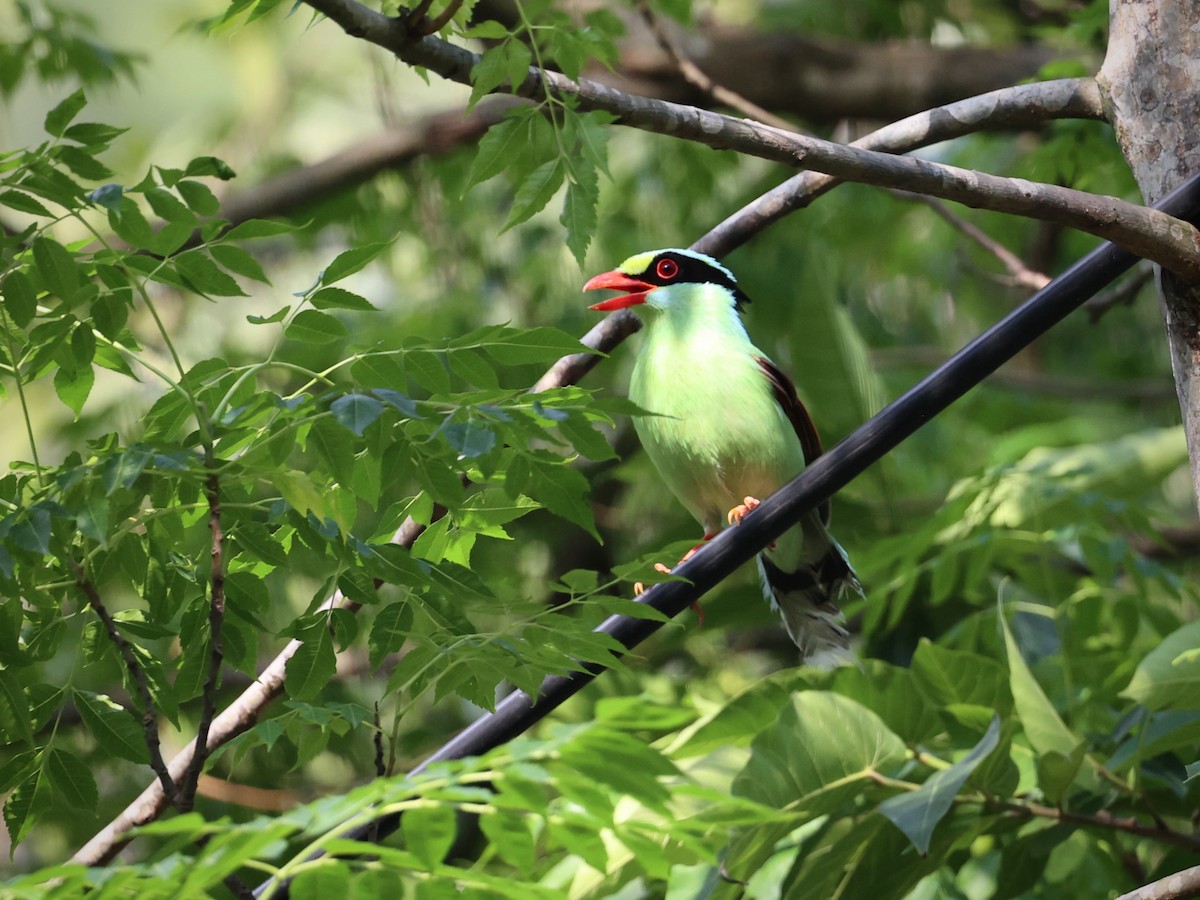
column 743, row 509
column 639, row 588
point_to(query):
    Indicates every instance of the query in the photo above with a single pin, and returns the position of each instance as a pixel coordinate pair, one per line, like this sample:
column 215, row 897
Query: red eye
column 667, row 269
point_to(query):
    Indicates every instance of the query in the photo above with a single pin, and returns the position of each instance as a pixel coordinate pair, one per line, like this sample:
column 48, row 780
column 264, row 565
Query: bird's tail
column 807, row 599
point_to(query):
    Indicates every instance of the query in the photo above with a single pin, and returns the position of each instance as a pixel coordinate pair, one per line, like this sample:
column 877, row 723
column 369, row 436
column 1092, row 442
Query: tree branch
column 165, row 784
column 1181, row 886
column 1101, row 819
column 1168, row 241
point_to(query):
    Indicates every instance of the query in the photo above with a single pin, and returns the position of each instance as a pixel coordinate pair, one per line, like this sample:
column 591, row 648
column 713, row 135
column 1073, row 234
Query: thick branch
column 1181, row 886
column 1168, row 241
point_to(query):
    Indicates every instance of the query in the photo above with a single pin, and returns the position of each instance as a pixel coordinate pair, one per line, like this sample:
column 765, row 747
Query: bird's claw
column 639, row 588
column 743, row 509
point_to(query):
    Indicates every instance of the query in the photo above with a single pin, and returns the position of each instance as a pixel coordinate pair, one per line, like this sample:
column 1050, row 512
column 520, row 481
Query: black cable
column 733, row 547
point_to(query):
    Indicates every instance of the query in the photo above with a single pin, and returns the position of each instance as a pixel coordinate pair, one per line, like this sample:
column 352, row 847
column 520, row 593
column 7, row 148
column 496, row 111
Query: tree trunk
column 1151, row 85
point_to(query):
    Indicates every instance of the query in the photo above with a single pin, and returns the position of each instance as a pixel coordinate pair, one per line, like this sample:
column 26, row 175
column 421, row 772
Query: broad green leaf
column 15, row 723
column 327, row 880
column 535, row 192
column 198, row 196
column 918, row 813
column 313, row 327
column 1057, row 771
column 356, row 412
column 510, row 835
column 579, row 216
column 428, row 370
column 389, row 632
column 23, row 203
column 20, row 300
column 71, row 779
column 1169, row 675
column 471, row 438
column 257, row 228
column 945, row 677
column 64, row 113
column 235, row 259
column 26, row 804
column 74, row 387
column 498, row 148
column 429, row 833
column 57, row 267
column 350, row 261
column 1043, row 725
column 514, row 347
column 312, row 666
column 203, row 275
column 338, row 298
column 818, row 754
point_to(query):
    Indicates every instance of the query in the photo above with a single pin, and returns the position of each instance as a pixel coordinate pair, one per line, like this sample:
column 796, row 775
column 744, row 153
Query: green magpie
column 729, row 429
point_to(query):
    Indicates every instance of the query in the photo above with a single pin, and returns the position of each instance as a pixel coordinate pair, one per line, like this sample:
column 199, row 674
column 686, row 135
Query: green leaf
column 946, row 677
column 473, row 368
column 816, row 755
column 1056, row 772
column 253, row 229
column 356, row 412
column 535, row 192
column 429, row 833
column 312, row 666
column 113, row 727
column 74, row 387
column 235, row 259
column 199, row 198
column 350, row 261
column 471, row 438
column 510, row 835
column 338, row 298
column 20, row 300
column 498, row 148
column 389, row 632
column 427, row 370
column 514, row 346
column 23, row 203
column 566, row 493
column 203, row 275
column 1043, row 725
column 313, row 327
column 918, row 813
column 211, row 166
column 329, row 879
column 61, row 116
column 579, row 215
column 1168, row 677
column 57, row 267
column 26, row 804
column 72, row 780
column 15, row 723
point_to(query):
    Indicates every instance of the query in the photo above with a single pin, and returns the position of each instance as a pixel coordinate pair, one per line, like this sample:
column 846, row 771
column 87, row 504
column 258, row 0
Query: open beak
column 618, row 281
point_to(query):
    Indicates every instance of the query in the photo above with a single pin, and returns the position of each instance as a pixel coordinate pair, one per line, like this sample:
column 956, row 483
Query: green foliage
column 1028, row 643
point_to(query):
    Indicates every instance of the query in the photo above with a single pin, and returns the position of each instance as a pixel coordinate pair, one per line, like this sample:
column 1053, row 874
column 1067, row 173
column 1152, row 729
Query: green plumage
column 727, row 426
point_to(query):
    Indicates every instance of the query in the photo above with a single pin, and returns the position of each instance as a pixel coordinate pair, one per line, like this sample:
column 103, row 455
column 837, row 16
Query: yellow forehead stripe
column 638, row 264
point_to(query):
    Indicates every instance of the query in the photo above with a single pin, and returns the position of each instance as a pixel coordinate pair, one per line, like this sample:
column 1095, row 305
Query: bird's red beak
column 618, row 281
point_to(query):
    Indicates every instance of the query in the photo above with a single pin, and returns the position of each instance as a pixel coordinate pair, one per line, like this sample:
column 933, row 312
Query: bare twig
column 1021, row 273
column 1183, row 885
column 1148, row 233
column 165, row 783
column 216, row 618
column 1101, row 819
column 440, row 22
column 1016, row 107
column 696, row 77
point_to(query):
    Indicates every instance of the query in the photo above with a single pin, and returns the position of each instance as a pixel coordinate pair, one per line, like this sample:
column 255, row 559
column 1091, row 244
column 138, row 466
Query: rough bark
column 1151, row 83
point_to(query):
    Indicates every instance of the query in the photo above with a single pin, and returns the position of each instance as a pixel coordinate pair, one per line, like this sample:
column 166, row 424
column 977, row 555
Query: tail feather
column 807, row 599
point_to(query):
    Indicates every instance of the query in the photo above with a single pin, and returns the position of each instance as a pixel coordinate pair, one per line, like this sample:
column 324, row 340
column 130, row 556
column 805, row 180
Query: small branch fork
column 149, row 718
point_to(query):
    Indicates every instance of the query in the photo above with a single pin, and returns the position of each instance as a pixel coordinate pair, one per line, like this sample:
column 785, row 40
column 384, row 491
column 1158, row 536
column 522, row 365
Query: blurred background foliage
column 1056, row 494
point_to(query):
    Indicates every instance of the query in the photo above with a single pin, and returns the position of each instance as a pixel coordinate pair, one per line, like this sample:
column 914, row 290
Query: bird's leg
column 743, row 509
column 639, row 588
